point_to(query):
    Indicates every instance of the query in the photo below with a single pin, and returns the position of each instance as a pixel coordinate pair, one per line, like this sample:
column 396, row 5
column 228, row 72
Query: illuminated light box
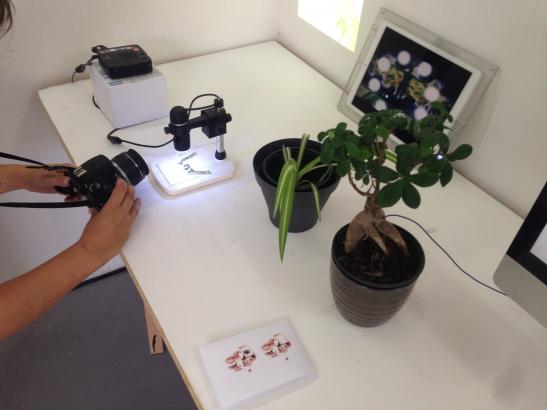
column 190, row 170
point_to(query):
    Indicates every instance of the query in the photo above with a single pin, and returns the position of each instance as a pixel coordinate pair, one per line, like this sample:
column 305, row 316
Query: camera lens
column 131, row 166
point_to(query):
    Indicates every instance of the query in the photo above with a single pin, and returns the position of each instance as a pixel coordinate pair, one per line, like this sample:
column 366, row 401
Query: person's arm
column 30, row 295
column 13, row 177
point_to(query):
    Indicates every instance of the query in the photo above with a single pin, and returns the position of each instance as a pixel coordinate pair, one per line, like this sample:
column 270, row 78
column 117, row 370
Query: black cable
column 201, row 96
column 81, row 67
column 447, row 254
column 45, row 205
column 117, row 140
column 94, row 103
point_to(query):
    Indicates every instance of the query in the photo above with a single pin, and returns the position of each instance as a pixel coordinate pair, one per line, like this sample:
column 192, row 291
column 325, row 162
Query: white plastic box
column 131, row 100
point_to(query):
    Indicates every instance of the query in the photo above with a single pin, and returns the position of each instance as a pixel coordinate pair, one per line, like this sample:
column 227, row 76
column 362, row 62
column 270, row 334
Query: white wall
column 49, row 39
column 508, row 130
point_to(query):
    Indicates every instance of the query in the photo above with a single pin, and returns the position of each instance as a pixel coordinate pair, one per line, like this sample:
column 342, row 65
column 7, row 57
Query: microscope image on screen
column 405, row 75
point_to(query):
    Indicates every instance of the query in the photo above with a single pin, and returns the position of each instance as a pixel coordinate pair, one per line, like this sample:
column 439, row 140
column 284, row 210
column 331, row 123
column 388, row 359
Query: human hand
column 107, row 230
column 41, row 180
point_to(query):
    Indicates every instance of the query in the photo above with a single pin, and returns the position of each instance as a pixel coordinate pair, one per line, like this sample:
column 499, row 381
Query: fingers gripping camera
column 96, row 178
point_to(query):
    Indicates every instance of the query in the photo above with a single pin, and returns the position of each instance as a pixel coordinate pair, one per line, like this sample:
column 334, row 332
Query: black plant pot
column 365, row 303
column 267, row 164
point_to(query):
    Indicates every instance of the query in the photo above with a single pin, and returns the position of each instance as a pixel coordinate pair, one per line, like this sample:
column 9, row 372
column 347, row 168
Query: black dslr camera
column 95, row 179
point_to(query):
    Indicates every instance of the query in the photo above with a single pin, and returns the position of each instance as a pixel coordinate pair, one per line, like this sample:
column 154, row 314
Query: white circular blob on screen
column 424, row 69
column 383, row 64
column 374, row 84
column 420, row 113
column 380, row 105
column 403, row 57
column 432, row 93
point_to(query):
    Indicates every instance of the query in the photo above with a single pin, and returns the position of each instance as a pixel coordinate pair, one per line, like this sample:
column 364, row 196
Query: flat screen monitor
column 522, row 273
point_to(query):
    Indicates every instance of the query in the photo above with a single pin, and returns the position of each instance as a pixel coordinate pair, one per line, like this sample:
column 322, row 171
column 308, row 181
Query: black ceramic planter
column 267, row 172
column 364, row 303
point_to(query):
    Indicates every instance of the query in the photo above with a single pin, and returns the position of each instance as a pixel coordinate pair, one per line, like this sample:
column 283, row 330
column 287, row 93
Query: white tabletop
column 207, row 262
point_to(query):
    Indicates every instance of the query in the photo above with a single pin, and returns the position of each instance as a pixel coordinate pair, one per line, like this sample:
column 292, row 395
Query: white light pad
column 186, row 171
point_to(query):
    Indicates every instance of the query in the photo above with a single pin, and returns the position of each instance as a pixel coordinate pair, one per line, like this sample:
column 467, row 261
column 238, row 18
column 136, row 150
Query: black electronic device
column 95, row 179
column 124, row 61
column 119, row 62
column 212, row 122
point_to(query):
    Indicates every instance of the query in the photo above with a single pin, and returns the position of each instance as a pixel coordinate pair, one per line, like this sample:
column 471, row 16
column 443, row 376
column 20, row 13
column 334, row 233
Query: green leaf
column 446, row 173
column 407, row 155
column 428, row 141
column 327, row 152
column 391, row 156
column 302, row 148
column 411, row 196
column 439, row 106
column 315, row 193
column 462, row 152
column 432, row 164
column 390, row 194
column 310, row 166
column 322, row 135
column 286, row 173
column 343, row 167
column 424, row 179
column 359, row 167
column 352, row 149
column 286, row 208
column 444, row 143
column 382, row 131
column 340, row 128
column 384, row 174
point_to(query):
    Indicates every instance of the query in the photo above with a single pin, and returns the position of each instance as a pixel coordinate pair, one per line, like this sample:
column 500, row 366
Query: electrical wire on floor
column 447, row 254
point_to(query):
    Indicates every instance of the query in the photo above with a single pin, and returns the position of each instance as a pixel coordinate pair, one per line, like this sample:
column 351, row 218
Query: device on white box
column 130, row 100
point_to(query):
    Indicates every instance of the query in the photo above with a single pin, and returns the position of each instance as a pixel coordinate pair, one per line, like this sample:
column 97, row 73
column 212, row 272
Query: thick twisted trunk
column 371, row 223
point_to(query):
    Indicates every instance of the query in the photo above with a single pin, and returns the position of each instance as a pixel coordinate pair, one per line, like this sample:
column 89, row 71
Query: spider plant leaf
column 302, row 148
column 286, row 207
column 310, row 166
column 315, row 193
column 282, row 183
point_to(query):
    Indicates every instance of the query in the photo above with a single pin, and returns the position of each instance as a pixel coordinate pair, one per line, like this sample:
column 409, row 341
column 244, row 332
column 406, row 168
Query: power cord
column 117, row 140
column 81, row 68
column 447, row 254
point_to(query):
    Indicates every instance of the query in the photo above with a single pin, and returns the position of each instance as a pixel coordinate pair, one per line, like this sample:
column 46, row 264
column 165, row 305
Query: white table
column 206, row 263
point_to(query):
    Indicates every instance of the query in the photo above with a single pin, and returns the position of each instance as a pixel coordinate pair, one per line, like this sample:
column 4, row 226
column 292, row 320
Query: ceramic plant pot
column 267, row 164
column 366, row 302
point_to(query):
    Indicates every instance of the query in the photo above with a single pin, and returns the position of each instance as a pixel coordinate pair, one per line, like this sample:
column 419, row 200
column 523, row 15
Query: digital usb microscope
column 193, row 168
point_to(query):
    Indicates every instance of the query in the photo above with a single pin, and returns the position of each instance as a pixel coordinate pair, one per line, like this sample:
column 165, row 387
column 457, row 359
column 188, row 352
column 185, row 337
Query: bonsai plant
column 311, row 182
column 374, row 263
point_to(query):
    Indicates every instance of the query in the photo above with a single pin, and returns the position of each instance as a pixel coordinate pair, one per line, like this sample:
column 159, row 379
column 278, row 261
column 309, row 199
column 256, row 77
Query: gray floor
column 90, row 352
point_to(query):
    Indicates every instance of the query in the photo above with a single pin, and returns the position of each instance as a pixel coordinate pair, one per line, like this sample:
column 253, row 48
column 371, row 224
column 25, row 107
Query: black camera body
column 96, row 178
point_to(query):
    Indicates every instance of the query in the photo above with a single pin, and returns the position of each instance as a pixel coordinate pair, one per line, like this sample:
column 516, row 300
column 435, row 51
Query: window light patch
column 338, row 19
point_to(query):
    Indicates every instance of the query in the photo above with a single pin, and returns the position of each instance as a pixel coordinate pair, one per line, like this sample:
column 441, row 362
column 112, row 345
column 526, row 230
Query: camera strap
column 39, row 205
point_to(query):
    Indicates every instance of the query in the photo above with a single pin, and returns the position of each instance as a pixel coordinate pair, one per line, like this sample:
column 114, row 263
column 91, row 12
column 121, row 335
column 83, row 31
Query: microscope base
column 190, row 170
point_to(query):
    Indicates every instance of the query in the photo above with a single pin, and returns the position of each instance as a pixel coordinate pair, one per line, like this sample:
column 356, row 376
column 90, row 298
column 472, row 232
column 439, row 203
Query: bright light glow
column 173, row 175
column 338, row 19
